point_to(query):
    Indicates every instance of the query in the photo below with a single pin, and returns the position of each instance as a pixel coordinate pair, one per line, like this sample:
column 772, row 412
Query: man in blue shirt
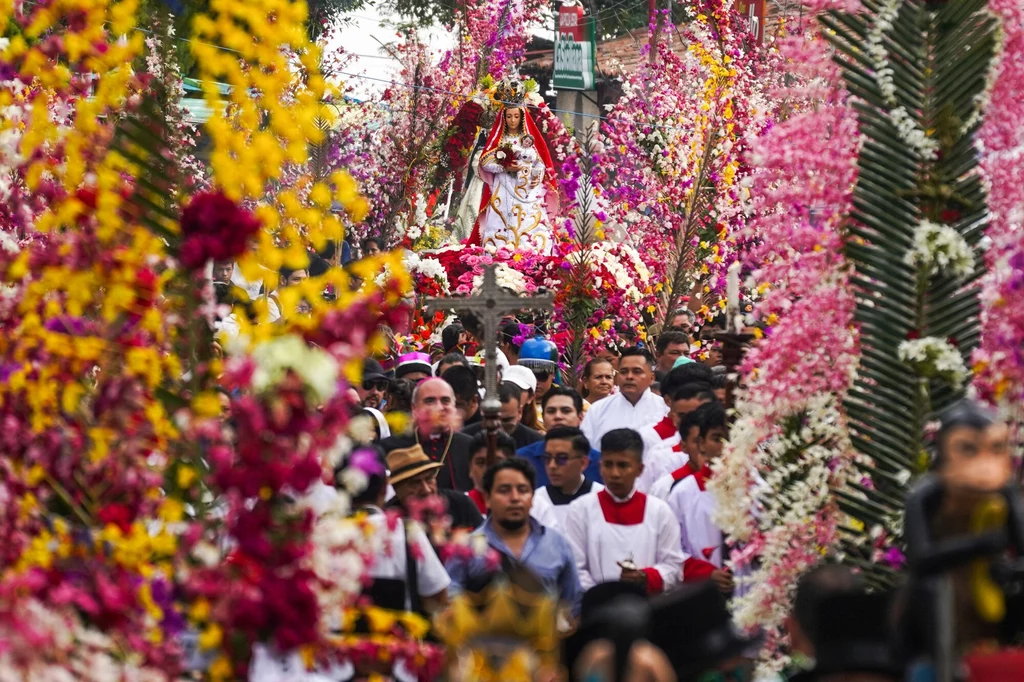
column 561, row 407
column 521, row 540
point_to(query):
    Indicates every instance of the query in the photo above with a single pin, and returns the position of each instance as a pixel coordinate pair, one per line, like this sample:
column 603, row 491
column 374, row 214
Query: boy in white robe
column 566, row 458
column 689, row 430
column 694, row 507
column 620, row 533
column 663, row 452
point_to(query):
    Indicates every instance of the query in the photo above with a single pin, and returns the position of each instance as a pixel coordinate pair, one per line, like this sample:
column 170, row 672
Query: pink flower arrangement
column 798, row 373
column 999, row 361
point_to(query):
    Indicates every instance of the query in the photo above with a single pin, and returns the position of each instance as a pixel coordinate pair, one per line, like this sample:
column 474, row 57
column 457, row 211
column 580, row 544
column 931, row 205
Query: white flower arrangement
column 926, row 147
column 343, row 549
column 933, row 358
column 612, row 256
column 414, row 264
column 887, row 14
column 779, row 494
column 317, row 369
column 939, row 249
column 654, row 144
column 506, row 278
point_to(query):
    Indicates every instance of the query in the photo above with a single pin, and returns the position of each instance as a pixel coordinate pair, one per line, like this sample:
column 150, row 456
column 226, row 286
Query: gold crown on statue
column 502, row 611
column 510, row 91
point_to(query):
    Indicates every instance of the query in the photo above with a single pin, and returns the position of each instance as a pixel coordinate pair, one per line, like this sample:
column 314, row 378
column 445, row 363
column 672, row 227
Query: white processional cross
column 490, row 305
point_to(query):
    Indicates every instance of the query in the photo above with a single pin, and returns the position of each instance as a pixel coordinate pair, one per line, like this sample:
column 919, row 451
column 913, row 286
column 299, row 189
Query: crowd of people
column 597, row 491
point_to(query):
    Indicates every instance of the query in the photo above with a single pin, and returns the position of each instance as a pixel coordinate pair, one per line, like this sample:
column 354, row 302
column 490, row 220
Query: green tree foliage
column 615, row 17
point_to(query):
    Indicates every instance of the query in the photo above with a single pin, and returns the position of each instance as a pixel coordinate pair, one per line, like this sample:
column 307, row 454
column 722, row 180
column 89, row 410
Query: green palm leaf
column 939, row 61
column 143, row 138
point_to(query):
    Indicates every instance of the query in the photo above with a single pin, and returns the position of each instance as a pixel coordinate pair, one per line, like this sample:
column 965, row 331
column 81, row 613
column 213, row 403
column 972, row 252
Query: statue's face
column 977, row 459
column 513, row 120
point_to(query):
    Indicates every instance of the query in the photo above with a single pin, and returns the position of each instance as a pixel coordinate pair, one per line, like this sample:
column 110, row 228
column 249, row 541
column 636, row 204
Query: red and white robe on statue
column 663, row 486
column 693, row 507
column 663, row 452
column 604, row 531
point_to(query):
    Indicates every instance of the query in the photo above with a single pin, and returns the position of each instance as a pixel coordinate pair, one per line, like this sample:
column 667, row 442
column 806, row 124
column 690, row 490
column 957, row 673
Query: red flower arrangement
column 213, row 227
column 459, row 143
column 507, row 157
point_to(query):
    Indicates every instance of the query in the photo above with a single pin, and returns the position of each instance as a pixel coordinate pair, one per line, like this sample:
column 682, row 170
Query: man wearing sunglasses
column 375, row 385
column 566, row 458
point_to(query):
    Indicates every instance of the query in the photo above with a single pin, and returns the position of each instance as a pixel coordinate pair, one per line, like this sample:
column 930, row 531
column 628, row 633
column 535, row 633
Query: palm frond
column 938, row 62
column 319, row 149
column 143, row 139
column 577, row 306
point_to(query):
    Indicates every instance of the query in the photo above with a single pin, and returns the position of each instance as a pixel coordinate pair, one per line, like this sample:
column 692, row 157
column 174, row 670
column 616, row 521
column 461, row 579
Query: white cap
column 521, row 377
column 478, row 360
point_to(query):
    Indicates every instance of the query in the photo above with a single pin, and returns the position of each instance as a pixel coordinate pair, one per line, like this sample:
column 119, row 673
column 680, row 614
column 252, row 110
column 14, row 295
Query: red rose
column 214, row 227
column 118, row 514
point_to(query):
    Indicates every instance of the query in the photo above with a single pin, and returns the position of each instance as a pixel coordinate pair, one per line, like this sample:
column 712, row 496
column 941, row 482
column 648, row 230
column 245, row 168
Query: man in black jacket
column 467, row 393
column 434, row 420
column 511, row 414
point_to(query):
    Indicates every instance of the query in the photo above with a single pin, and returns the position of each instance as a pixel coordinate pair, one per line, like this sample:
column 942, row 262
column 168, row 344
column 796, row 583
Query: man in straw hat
column 414, row 478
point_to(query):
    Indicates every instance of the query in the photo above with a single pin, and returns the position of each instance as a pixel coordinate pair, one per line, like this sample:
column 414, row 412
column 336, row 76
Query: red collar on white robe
column 682, row 472
column 627, row 513
column 701, row 477
column 666, row 428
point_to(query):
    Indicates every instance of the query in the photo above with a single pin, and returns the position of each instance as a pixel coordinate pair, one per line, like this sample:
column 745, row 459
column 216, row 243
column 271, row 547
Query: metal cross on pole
column 489, row 306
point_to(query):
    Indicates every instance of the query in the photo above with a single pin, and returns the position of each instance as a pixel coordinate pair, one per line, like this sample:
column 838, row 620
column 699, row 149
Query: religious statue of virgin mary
column 519, row 196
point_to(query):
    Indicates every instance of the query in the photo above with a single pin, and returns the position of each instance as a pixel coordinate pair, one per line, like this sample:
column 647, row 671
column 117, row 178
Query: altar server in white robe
column 566, row 458
column 694, row 506
column 663, row 450
column 634, row 406
column 689, row 428
column 620, row 533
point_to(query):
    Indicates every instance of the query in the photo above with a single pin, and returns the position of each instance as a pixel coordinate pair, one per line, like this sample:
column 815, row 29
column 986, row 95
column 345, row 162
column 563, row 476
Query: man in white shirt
column 619, row 533
column 566, row 458
column 634, row 406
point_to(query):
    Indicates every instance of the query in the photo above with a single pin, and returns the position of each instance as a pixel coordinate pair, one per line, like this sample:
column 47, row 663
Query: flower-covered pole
column 113, row 397
column 802, row 364
column 999, row 361
column 575, row 298
column 673, row 161
column 918, row 218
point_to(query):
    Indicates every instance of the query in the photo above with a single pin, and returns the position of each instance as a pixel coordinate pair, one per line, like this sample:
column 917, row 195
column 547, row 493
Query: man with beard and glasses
column 519, row 540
